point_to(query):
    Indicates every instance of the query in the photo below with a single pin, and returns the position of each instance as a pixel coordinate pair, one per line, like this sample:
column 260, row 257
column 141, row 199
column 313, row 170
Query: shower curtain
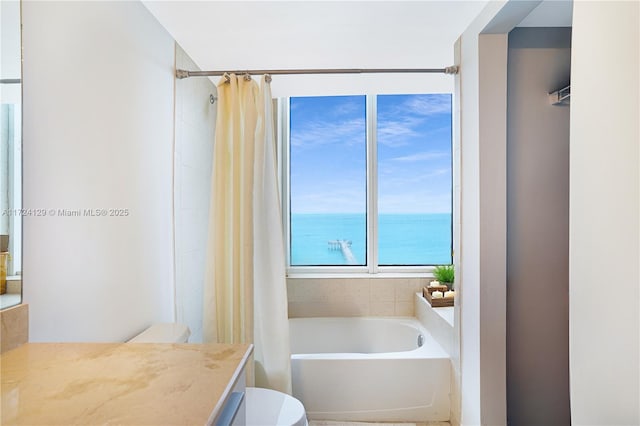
column 245, row 299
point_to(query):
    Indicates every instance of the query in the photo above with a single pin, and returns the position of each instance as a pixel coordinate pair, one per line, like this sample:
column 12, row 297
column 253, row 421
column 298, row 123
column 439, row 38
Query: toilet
column 270, row 407
column 263, row 406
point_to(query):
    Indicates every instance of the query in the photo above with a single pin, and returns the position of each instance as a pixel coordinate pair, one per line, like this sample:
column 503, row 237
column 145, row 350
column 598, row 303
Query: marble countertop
column 118, row 383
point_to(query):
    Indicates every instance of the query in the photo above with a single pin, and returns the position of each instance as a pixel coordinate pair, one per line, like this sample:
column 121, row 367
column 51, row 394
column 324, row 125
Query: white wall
column 323, row 34
column 480, row 197
column 473, row 202
column 195, row 131
column 604, row 214
column 11, row 150
column 10, row 50
column 10, row 42
column 98, row 134
column 493, row 225
column 538, row 228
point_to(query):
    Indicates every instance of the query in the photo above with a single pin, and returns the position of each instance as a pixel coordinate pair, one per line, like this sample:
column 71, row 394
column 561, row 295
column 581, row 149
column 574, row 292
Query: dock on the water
column 345, row 246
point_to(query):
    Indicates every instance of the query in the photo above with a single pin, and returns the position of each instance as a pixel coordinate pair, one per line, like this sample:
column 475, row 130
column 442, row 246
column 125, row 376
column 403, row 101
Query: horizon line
column 379, row 213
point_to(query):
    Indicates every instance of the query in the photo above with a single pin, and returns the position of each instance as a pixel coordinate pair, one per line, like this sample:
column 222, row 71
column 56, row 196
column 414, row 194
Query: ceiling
column 550, row 13
column 237, row 35
column 242, row 35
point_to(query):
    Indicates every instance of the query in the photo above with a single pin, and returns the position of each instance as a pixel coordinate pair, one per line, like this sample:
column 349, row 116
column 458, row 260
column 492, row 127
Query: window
column 369, row 182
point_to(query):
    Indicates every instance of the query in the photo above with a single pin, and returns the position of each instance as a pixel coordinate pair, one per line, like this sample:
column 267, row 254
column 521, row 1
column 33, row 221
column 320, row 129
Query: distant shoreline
column 379, row 214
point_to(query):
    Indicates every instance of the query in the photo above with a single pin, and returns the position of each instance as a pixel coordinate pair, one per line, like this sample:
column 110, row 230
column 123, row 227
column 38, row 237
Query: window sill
column 379, row 275
column 445, row 312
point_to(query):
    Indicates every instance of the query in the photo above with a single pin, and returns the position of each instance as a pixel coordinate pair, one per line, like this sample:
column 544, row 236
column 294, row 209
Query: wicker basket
column 439, row 302
column 4, row 257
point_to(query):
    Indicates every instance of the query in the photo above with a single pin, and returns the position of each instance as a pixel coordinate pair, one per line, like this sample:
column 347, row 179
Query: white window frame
column 371, row 269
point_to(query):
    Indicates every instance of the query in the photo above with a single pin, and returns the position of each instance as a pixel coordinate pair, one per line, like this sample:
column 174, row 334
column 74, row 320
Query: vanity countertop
column 118, row 383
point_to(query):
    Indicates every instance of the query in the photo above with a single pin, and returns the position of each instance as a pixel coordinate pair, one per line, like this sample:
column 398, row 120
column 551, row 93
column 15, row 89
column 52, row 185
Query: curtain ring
column 247, row 76
column 227, row 78
column 267, row 78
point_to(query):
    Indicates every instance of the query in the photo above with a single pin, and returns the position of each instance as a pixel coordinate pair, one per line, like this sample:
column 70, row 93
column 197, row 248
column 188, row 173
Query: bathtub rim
column 431, row 349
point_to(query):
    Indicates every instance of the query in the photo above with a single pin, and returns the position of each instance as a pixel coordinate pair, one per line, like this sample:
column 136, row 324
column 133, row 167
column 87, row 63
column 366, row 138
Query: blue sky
column 328, row 156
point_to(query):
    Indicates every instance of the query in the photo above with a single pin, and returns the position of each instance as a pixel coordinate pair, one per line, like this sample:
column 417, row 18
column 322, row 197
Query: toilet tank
column 163, row 333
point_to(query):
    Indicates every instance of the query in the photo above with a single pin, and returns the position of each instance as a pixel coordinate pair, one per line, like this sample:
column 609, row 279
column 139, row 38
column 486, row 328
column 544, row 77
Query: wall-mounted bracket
column 561, row 97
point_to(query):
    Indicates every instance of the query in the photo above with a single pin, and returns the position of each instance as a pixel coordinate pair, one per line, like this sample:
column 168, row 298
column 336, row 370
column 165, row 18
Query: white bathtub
column 369, row 369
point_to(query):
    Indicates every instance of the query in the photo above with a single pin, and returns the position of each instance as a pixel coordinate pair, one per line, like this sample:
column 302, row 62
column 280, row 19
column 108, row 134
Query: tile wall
column 195, row 119
column 313, row 297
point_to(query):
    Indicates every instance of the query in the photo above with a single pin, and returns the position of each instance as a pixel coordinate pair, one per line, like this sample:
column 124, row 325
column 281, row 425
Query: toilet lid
column 269, row 407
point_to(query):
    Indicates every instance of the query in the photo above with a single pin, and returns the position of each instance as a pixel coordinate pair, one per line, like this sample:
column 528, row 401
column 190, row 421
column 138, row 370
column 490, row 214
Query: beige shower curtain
column 245, row 266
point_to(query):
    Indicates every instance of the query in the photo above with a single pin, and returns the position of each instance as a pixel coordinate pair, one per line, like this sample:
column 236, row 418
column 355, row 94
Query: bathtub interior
column 362, row 335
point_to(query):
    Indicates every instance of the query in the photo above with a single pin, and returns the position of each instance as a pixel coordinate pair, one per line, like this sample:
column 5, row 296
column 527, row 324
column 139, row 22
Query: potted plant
column 444, row 274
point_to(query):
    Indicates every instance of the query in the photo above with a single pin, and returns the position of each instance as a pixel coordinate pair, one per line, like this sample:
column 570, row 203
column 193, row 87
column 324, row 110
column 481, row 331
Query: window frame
column 371, row 269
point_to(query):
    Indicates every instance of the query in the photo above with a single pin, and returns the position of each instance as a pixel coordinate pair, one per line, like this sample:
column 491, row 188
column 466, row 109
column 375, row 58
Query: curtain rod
column 448, row 70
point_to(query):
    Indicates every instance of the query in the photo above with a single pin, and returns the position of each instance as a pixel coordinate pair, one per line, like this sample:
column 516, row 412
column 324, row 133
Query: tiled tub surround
column 352, row 297
column 195, row 118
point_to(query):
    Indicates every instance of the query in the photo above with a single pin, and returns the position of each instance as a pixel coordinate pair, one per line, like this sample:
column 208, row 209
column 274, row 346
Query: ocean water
column 404, row 239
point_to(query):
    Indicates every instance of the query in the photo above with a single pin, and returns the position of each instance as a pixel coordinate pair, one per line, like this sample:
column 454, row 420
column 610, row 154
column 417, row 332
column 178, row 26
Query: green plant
column 444, row 274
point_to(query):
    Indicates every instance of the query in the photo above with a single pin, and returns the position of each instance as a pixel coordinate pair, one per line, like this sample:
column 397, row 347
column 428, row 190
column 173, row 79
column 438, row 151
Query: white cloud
column 399, row 123
column 322, row 133
column 348, row 107
column 427, row 105
column 395, row 132
column 421, row 156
